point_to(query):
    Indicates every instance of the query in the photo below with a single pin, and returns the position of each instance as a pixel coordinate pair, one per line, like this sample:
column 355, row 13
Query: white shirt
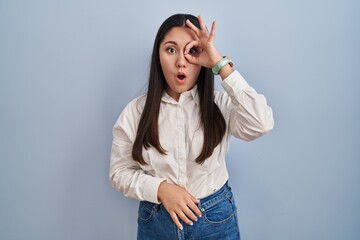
column 246, row 114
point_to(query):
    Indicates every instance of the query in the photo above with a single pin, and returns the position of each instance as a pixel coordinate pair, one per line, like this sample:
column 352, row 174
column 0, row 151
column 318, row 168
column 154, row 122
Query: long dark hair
column 212, row 120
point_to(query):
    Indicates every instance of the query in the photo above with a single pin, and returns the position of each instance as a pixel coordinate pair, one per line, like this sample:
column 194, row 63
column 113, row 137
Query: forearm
column 225, row 71
column 136, row 184
column 248, row 112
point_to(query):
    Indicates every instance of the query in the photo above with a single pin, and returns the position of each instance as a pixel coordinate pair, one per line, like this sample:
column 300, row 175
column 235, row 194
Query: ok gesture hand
column 206, row 53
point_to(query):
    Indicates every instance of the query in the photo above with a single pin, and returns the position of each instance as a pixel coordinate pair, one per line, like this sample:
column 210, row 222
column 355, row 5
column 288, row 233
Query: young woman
column 169, row 145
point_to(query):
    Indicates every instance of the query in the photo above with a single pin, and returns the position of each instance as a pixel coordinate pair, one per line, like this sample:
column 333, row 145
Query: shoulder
column 134, row 107
column 132, row 111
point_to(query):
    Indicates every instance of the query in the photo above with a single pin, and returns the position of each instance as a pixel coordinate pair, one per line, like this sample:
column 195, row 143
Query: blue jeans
column 218, row 221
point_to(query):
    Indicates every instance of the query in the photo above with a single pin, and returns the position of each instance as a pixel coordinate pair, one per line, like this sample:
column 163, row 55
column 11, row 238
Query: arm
column 133, row 180
column 126, row 175
column 249, row 115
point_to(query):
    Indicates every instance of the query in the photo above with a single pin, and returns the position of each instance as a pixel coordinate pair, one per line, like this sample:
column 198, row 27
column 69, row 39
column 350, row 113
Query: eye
column 193, row 51
column 171, row 50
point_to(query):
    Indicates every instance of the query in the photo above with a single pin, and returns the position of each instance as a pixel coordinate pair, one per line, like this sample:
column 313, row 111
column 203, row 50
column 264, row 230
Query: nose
column 181, row 61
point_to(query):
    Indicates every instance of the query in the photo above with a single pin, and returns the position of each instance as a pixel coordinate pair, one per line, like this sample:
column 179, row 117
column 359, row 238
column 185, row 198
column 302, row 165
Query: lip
column 181, row 77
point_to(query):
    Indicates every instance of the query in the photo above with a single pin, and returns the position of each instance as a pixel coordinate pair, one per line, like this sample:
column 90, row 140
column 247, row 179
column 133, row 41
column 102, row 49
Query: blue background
column 67, row 68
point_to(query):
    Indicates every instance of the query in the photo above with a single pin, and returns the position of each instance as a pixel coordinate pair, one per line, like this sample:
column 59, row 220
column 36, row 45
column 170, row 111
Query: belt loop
column 200, row 208
column 155, row 207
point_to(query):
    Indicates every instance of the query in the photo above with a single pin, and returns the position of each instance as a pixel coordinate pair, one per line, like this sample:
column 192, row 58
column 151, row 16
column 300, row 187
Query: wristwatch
column 225, row 60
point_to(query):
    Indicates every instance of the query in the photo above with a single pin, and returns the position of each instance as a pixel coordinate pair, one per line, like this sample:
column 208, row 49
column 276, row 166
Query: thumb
column 191, row 58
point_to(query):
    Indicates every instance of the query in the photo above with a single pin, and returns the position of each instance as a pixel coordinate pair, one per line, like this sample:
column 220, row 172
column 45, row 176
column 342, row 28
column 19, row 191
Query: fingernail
column 181, row 227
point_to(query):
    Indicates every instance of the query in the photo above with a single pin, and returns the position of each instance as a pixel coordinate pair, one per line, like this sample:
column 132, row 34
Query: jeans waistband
column 224, row 191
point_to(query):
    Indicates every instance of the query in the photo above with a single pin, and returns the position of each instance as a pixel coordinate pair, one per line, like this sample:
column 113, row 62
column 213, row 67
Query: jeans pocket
column 146, row 211
column 220, row 212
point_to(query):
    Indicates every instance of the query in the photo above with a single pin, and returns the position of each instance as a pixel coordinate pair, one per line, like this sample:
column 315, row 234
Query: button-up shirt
column 247, row 117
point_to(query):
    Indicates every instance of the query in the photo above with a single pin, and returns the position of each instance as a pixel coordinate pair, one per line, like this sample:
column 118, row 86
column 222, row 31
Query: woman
column 169, row 145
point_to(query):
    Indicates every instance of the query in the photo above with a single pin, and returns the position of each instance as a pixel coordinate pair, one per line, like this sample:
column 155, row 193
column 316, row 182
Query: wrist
column 161, row 190
column 216, row 60
column 224, row 61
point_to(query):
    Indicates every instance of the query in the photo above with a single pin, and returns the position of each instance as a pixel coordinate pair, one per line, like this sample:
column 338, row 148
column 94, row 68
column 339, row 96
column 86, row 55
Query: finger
column 191, row 59
column 192, row 52
column 194, row 200
column 190, row 214
column 184, row 217
column 190, row 45
column 195, row 208
column 192, row 27
column 175, row 219
column 202, row 24
column 212, row 32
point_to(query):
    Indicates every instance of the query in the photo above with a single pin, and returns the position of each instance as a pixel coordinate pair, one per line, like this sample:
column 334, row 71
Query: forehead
column 180, row 35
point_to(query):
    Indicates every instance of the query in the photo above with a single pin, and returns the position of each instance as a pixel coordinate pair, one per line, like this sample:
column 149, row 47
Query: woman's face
column 180, row 75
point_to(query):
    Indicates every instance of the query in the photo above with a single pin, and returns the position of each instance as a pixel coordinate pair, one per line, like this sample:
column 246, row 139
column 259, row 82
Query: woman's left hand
column 206, row 53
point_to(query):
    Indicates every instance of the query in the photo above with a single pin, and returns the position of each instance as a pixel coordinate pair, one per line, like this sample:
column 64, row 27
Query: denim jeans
column 218, row 221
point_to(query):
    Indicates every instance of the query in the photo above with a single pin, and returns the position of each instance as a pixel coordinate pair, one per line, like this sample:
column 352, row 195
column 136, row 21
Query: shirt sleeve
column 246, row 111
column 127, row 175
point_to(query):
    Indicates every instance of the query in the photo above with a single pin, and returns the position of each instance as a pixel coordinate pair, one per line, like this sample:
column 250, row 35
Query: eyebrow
column 170, row 42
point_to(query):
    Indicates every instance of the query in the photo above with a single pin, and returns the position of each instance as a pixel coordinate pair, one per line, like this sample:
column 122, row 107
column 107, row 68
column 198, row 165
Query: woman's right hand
column 179, row 203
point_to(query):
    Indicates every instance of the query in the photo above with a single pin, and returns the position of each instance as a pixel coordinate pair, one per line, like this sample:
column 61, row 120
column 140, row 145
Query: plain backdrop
column 67, row 69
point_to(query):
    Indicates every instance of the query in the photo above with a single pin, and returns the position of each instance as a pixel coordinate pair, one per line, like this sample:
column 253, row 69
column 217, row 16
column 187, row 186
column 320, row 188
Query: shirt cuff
column 151, row 187
column 234, row 83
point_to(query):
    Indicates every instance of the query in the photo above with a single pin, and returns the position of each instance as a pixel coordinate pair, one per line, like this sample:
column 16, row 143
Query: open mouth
column 181, row 76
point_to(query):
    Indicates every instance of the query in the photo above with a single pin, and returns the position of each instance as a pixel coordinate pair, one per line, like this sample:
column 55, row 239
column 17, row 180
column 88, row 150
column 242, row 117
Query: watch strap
column 225, row 60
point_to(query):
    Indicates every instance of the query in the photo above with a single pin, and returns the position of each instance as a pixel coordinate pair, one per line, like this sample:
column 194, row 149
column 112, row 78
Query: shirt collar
column 184, row 97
